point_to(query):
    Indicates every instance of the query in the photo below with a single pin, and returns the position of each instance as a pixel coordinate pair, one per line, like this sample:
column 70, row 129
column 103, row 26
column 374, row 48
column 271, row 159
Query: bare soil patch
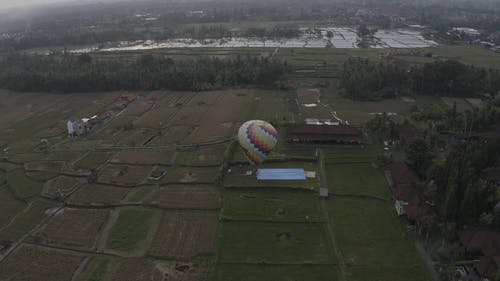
column 183, row 234
column 144, row 157
column 308, row 96
column 186, row 196
column 95, row 194
column 74, row 228
column 193, row 175
column 34, row 263
column 124, row 175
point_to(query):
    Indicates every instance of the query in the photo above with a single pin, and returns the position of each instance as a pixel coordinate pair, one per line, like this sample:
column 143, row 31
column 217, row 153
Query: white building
column 77, row 127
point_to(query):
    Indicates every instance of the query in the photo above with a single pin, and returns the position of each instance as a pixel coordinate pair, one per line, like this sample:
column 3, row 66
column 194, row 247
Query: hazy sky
column 20, row 3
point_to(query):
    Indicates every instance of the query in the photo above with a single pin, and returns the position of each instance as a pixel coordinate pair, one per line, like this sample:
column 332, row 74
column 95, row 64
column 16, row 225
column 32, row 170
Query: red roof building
column 408, row 199
column 341, row 134
column 486, row 243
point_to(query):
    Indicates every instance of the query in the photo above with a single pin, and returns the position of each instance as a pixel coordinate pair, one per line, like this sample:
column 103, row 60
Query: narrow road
column 324, row 209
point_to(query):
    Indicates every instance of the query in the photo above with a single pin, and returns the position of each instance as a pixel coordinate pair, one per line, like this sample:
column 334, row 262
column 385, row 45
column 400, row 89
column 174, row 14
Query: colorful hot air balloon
column 257, row 138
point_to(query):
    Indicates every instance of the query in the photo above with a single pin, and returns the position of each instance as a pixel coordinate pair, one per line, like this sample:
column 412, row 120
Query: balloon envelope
column 257, row 138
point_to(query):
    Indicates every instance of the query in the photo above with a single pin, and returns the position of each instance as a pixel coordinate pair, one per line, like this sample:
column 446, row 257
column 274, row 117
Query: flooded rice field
column 328, row 37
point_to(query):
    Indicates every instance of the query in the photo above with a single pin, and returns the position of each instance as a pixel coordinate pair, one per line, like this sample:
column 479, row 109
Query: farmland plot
column 35, row 263
column 275, row 243
column 193, row 175
column 124, row 175
column 184, row 234
column 144, row 157
column 9, row 206
column 186, row 196
column 74, row 228
column 204, row 156
column 28, row 220
column 96, row 194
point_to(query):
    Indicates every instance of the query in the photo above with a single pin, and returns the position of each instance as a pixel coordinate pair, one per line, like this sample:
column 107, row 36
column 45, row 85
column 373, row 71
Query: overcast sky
column 21, row 3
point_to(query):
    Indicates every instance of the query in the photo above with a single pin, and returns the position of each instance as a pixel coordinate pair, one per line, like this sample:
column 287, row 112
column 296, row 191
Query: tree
column 419, row 155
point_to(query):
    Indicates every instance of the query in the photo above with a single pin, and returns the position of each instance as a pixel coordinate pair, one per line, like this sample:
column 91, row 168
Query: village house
column 124, row 100
column 77, row 127
column 484, row 245
column 409, row 201
column 327, row 134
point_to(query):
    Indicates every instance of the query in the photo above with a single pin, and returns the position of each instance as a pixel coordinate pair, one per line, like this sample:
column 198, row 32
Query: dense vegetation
column 363, row 79
column 82, row 73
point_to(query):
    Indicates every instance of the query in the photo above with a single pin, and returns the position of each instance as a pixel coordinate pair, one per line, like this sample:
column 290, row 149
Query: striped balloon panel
column 257, row 138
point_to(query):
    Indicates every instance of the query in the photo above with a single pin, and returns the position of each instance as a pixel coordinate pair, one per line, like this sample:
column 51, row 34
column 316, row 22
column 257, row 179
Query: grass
column 474, row 55
column 130, row 229
column 357, row 179
column 93, row 160
column 374, row 242
column 345, row 155
column 274, row 243
column 26, row 221
column 140, row 194
column 98, row 269
column 249, row 272
column 9, row 206
column 359, row 112
column 270, row 205
column 22, row 186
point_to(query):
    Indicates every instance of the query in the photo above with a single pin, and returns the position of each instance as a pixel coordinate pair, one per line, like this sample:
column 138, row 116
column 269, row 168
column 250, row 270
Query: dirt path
column 329, row 226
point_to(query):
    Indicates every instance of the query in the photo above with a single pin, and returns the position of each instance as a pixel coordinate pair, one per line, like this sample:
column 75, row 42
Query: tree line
column 364, row 79
column 83, row 73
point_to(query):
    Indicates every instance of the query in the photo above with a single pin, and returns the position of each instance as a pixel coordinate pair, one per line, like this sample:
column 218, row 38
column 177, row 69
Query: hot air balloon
column 257, row 138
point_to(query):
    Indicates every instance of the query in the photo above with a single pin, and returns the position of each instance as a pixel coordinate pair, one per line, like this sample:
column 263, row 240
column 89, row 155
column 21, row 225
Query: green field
column 131, row 229
column 26, row 220
column 92, row 160
column 374, row 242
column 250, row 272
column 98, row 269
column 273, row 205
column 9, row 206
column 274, row 243
column 22, row 186
column 357, row 179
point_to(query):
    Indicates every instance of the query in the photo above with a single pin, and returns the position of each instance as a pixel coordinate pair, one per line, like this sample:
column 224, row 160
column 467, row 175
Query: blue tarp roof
column 281, row 174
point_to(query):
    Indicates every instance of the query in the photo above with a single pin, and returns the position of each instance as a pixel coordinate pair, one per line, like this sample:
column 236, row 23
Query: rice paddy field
column 161, row 189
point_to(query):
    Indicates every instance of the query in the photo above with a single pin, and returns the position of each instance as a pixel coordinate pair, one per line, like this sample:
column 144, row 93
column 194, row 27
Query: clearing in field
column 274, row 243
column 36, row 263
column 76, row 228
column 185, row 234
column 186, row 197
column 267, row 204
